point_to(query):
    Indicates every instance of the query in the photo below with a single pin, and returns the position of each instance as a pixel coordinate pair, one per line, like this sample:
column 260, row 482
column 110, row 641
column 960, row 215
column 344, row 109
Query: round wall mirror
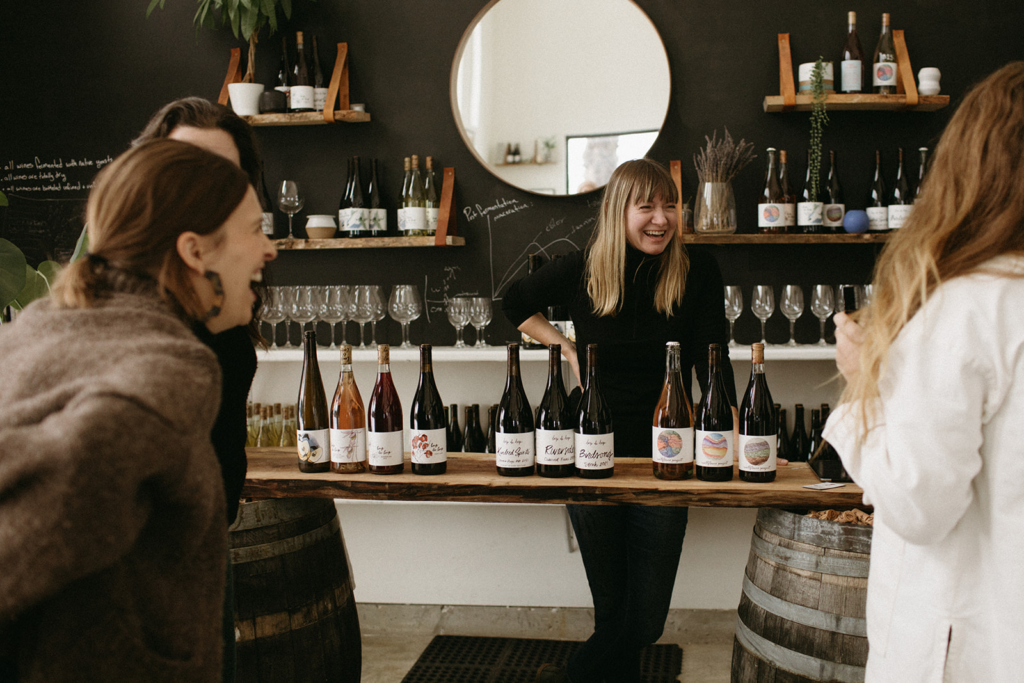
column 552, row 96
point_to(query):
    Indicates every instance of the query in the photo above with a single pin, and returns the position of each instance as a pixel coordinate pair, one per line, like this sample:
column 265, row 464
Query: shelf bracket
column 786, row 87
column 234, row 75
column 445, row 223
column 677, row 177
column 905, row 82
column 338, row 87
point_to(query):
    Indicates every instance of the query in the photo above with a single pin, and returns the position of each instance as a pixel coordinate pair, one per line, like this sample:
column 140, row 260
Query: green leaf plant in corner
column 819, row 119
column 20, row 283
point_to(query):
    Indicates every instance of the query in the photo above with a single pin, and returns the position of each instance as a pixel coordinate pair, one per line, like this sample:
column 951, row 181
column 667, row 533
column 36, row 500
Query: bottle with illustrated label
column 595, row 436
column 428, row 425
column 851, row 58
column 268, row 208
column 922, row 169
column 357, row 221
column 878, row 211
column 492, row 418
column 884, row 75
column 475, row 440
column 402, row 228
column 385, row 439
column 378, row 217
column 770, row 211
column 302, row 96
column 454, row 434
column 319, row 91
column 313, row 419
column 533, row 264
column 809, row 210
column 346, row 201
column 348, row 421
column 513, row 429
column 415, row 202
column 788, row 195
column 900, row 201
column 799, row 443
column 713, row 423
column 835, row 207
column 756, row 448
column 672, row 430
column 432, row 200
column 284, row 74
column 555, row 454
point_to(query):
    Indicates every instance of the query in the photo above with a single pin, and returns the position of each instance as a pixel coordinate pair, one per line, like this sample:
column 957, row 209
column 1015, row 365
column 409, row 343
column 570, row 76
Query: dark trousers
column 631, row 555
column 228, row 630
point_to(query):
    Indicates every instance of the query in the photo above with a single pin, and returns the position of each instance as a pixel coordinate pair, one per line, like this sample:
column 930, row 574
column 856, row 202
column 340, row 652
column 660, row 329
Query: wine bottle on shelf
column 348, row 420
column 290, row 432
column 267, row 224
column 877, row 209
column 812, row 442
column 358, row 218
column 378, row 217
column 783, row 440
column 415, row 202
column 851, row 58
column 427, row 423
column 430, row 197
column 517, row 156
column 672, row 429
column 492, row 418
column 385, row 438
column 266, row 437
column 302, row 96
column 770, row 211
column 799, row 443
column 594, row 433
column 475, row 441
column 278, row 422
column 345, row 205
column 922, row 169
column 514, row 432
column 757, row 448
column 809, row 210
column 509, row 157
column 402, row 227
column 533, row 263
column 884, row 76
column 284, row 74
column 556, row 456
column 835, row 208
column 319, row 91
column 454, row 433
column 788, row 197
column 900, row 201
column 314, row 420
column 252, row 433
column 713, row 422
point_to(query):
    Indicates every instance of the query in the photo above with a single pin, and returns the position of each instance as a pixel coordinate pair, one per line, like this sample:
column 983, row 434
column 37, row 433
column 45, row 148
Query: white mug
column 928, row 81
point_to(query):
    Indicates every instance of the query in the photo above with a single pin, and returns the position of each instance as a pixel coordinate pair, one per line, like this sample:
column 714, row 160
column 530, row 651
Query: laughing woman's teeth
column 258, row 277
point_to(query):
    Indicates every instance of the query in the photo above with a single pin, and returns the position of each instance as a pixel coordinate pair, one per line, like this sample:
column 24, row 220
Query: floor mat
column 468, row 659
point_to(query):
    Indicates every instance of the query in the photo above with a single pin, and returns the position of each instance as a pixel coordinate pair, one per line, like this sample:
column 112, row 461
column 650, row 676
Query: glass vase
column 715, row 209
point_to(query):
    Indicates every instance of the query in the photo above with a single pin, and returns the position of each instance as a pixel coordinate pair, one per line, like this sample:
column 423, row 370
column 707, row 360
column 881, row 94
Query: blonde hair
column 138, row 207
column 634, row 182
column 970, row 209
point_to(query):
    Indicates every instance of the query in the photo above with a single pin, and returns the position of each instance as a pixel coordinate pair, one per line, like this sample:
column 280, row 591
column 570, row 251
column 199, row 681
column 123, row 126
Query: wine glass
column 821, row 306
column 480, row 314
column 305, row 306
column 287, row 305
column 404, row 306
column 332, row 307
column 362, row 298
column 377, row 298
column 866, row 290
column 458, row 316
column 792, row 307
column 290, row 201
column 733, row 308
column 273, row 312
column 763, row 306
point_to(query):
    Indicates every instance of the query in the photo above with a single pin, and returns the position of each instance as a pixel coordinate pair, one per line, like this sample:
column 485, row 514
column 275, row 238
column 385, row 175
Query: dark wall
column 83, row 78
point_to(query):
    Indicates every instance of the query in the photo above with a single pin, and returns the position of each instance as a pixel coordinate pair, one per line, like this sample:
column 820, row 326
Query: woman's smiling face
column 650, row 225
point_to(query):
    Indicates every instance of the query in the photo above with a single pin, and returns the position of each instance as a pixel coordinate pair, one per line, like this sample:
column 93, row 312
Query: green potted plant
column 20, row 283
column 819, row 119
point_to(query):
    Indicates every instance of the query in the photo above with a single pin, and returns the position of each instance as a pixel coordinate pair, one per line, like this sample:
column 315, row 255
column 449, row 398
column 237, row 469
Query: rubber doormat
column 468, row 659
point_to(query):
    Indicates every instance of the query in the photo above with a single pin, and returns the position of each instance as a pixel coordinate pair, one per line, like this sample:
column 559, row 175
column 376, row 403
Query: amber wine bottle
column 513, row 429
column 771, row 214
column 884, row 75
column 313, row 427
column 427, row 422
column 595, row 435
column 672, row 431
column 556, row 456
column 348, row 421
column 713, row 455
column 757, row 447
column 385, row 439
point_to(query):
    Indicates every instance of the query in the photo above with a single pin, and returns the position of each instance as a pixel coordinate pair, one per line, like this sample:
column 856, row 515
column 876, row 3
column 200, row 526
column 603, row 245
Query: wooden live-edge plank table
column 471, row 477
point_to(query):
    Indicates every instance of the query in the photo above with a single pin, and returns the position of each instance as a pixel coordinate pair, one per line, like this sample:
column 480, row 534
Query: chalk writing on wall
column 50, row 176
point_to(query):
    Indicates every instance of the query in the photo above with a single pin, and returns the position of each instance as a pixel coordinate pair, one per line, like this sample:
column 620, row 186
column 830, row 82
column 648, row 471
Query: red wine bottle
column 595, row 436
column 556, row 456
column 513, row 431
column 901, row 201
column 314, row 420
column 815, row 438
column 672, row 429
column 782, row 439
column 385, row 439
column 475, row 441
column 348, row 421
column 713, row 434
column 427, row 424
column 757, row 447
column 799, row 442
column 454, row 434
column 851, row 58
column 770, row 211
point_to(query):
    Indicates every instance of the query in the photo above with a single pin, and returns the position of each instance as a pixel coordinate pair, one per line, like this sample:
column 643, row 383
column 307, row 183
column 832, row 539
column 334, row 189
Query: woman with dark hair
column 112, row 535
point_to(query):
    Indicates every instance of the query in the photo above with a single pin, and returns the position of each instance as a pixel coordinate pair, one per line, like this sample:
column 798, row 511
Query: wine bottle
column 788, row 195
column 509, row 157
column 783, row 440
column 809, row 210
column 357, row 213
column 378, row 221
column 267, row 224
column 922, row 169
column 265, row 437
column 415, row 202
column 252, row 427
column 514, row 433
column 533, row 263
column 348, row 420
column 812, row 442
column 834, row 211
column 313, row 425
column 672, row 430
column 454, row 433
column 900, row 201
column 427, row 422
column 430, row 197
column 319, row 91
column 799, row 442
column 302, row 95
column 517, row 156
column 284, row 74
column 289, row 435
column 713, row 422
column 556, row 456
column 756, row 449
column 403, row 227
column 475, row 441
column 878, row 212
column 884, row 75
column 770, row 211
column 824, row 415
column 345, row 205
column 385, row 440
column 851, row 58
column 595, row 435
column 492, row 418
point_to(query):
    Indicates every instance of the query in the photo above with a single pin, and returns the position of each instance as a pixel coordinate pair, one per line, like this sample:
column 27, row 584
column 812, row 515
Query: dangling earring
column 218, row 291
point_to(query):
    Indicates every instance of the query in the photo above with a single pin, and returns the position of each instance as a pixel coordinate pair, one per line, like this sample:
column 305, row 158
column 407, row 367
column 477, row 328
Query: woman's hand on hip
column 849, row 337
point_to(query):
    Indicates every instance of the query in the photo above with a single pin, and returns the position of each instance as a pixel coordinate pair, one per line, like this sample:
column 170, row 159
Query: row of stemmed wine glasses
column 823, row 302
column 463, row 310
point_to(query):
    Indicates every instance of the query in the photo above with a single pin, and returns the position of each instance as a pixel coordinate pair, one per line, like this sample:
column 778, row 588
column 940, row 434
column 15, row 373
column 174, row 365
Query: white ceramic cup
column 320, row 226
column 928, row 81
column 245, row 98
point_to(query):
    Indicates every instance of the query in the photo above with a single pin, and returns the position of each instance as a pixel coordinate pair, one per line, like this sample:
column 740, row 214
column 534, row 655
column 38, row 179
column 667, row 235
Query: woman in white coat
column 931, row 423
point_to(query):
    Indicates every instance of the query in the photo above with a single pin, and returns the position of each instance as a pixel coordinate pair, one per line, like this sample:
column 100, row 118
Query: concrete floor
column 394, row 636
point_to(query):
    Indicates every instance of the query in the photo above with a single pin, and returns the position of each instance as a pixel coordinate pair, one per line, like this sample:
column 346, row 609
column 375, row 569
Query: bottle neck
column 513, row 363
column 554, row 367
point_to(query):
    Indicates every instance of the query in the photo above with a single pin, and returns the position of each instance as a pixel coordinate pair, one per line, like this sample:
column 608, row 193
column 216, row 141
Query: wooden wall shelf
column 858, row 102
column 862, row 238
column 369, row 243
column 306, row 118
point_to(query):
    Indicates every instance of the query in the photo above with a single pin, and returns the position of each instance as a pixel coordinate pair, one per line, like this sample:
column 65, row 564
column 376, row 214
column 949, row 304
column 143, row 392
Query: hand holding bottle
column 849, row 337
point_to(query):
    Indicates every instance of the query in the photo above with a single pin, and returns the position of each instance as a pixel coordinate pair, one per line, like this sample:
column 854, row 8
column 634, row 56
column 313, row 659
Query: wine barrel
column 801, row 615
column 295, row 617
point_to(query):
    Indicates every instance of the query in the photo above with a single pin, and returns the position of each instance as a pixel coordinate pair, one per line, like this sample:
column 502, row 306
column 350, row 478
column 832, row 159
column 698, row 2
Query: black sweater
column 632, row 343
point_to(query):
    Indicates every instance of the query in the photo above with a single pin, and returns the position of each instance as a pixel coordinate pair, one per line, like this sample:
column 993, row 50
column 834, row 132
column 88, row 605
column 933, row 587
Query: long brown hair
column 138, row 206
column 971, row 209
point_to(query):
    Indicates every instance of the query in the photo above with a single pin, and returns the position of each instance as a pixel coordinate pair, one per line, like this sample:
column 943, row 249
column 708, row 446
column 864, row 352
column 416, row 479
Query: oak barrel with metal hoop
column 295, row 617
column 801, row 616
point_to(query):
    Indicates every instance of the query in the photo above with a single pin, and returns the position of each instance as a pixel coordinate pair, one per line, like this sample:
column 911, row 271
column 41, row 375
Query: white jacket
column 944, row 467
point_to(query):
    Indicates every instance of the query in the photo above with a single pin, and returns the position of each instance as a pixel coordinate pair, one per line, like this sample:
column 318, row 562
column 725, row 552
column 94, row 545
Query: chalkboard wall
column 83, row 78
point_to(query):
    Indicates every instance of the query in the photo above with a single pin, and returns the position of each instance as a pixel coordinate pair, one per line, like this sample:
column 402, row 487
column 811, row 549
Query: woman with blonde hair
column 633, row 289
column 930, row 421
column 112, row 535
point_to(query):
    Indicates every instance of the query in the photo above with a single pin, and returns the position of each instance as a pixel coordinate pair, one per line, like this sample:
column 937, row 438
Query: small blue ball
column 855, row 221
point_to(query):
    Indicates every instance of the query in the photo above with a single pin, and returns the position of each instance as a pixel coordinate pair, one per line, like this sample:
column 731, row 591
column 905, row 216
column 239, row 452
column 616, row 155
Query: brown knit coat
column 112, row 537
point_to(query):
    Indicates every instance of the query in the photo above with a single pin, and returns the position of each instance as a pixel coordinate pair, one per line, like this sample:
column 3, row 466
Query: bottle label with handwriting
column 878, row 218
column 384, row 449
column 432, row 220
column 809, row 213
column 429, row 446
column 898, row 215
column 757, row 453
column 771, row 215
column 378, row 220
column 555, row 447
column 319, row 98
column 302, row 97
column 314, row 445
column 672, row 445
column 415, row 219
column 595, row 451
column 348, row 445
column 513, row 450
column 852, row 71
column 713, row 449
column 884, row 73
column 833, row 215
column 789, row 214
